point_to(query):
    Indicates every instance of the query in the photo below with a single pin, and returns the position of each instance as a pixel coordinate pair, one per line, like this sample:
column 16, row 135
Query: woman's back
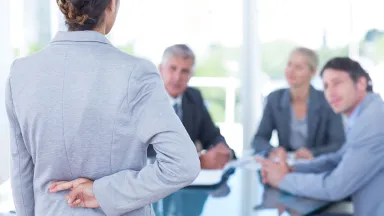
column 85, row 109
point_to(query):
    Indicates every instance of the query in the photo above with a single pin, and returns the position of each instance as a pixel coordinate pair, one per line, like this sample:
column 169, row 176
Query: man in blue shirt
column 357, row 169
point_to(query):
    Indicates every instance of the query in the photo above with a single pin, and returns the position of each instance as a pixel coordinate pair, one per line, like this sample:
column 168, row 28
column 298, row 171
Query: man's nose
column 177, row 76
column 330, row 92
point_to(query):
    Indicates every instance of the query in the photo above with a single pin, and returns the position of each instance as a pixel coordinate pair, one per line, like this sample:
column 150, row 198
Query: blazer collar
column 188, row 98
column 314, row 100
column 80, row 36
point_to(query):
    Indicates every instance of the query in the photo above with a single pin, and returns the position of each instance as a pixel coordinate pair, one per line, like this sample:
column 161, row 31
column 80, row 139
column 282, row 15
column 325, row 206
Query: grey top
column 299, row 131
column 356, row 170
column 82, row 108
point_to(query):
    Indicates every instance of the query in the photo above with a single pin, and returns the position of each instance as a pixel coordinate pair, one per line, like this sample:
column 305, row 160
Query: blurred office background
column 241, row 46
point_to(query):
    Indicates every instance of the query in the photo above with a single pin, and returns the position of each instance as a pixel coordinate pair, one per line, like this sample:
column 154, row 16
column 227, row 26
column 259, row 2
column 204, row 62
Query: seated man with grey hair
column 176, row 70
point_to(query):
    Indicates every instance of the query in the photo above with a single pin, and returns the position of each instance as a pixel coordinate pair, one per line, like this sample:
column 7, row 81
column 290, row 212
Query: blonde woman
column 305, row 123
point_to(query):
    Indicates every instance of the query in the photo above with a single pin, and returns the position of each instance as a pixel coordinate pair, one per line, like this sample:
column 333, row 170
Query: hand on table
column 278, row 154
column 81, row 194
column 273, row 172
column 216, row 157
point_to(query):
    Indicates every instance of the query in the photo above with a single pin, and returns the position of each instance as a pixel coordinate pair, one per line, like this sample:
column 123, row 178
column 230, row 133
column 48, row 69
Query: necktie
column 177, row 109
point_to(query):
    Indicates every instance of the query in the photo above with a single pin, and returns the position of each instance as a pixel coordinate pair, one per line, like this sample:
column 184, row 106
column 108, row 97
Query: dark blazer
column 325, row 128
column 197, row 121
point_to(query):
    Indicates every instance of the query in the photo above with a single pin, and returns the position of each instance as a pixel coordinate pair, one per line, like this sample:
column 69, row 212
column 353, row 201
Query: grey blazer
column 82, row 108
column 325, row 128
column 356, row 170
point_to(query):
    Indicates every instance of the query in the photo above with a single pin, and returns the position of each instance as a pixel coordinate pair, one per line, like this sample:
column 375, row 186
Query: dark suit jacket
column 197, row 121
column 325, row 128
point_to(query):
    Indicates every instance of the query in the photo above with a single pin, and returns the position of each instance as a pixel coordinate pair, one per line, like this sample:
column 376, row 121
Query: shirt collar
column 176, row 100
column 352, row 118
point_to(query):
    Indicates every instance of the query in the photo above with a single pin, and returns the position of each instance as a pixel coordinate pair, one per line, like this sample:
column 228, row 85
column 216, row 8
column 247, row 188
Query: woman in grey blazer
column 82, row 114
column 304, row 121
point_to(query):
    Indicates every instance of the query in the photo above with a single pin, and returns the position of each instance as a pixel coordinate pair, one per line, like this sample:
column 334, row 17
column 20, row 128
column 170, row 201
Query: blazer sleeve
column 209, row 133
column 335, row 135
column 360, row 162
column 323, row 163
column 260, row 142
column 22, row 166
column 177, row 164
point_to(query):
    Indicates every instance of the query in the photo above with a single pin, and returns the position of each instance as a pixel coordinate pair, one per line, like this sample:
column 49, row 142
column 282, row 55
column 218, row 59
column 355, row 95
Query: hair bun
column 79, row 3
column 83, row 15
column 71, row 10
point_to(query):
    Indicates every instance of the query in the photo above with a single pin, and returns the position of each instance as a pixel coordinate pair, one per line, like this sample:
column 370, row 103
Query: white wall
column 57, row 19
column 5, row 61
column 37, row 22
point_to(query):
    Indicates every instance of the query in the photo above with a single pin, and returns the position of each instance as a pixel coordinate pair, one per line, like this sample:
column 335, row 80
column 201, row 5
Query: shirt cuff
column 99, row 187
column 219, row 139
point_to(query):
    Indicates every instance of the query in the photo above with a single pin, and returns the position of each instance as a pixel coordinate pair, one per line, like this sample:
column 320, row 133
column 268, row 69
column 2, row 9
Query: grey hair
column 178, row 50
column 312, row 58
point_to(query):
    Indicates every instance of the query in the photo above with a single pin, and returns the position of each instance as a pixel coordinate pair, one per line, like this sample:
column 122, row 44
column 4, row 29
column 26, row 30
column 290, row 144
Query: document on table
column 212, row 177
column 241, row 162
column 208, row 177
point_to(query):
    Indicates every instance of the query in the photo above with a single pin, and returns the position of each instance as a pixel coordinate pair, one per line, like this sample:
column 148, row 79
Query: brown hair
column 348, row 65
column 83, row 15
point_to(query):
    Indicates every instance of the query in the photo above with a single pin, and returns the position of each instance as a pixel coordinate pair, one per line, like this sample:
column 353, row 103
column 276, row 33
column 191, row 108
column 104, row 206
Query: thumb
column 74, row 194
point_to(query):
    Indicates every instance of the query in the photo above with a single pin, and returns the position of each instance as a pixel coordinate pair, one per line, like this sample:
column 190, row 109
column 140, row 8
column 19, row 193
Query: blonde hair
column 311, row 56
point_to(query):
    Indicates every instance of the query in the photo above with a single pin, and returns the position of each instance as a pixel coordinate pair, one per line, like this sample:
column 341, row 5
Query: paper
column 212, row 177
column 292, row 160
column 266, row 212
column 208, row 177
column 254, row 166
column 240, row 162
column 248, row 163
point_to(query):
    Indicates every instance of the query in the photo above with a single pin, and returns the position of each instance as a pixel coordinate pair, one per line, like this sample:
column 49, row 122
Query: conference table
column 239, row 193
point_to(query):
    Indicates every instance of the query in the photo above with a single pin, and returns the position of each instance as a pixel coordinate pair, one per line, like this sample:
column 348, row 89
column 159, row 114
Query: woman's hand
column 81, row 195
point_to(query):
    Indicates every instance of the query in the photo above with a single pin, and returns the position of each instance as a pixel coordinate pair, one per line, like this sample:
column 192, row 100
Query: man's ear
column 362, row 83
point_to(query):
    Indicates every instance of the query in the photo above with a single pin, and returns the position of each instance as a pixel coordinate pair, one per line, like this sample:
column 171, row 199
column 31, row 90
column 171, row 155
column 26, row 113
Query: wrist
column 291, row 169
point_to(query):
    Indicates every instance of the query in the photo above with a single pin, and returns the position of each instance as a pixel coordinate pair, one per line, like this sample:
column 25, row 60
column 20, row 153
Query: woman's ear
column 113, row 6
